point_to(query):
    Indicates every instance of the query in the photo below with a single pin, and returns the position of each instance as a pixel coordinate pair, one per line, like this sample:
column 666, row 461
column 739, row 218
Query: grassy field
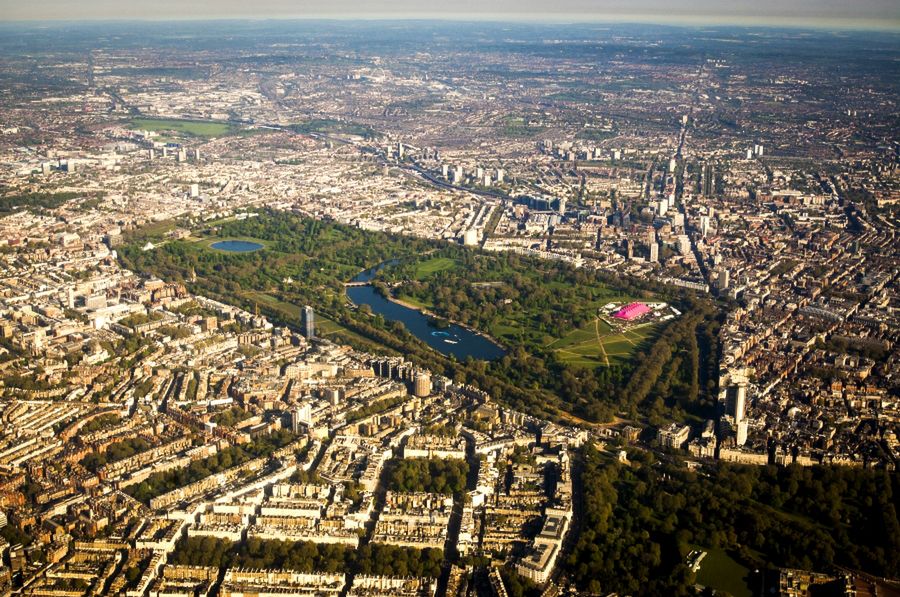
column 598, row 344
column 516, row 126
column 720, row 571
column 415, row 302
column 191, row 128
column 432, row 266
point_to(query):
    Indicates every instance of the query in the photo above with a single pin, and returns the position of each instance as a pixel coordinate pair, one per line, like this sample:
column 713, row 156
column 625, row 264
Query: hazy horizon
column 864, row 14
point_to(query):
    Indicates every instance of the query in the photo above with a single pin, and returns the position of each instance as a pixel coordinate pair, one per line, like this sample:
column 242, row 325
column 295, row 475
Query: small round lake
column 236, row 246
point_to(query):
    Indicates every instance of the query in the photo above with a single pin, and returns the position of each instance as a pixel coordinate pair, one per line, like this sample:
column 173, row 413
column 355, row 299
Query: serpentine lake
column 453, row 340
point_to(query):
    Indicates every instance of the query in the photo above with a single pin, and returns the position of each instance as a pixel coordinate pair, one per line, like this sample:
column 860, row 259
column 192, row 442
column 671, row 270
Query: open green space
column 190, row 128
column 596, row 344
column 640, row 519
column 34, row 202
column 290, row 312
column 720, row 571
column 542, row 311
column 432, row 475
column 517, row 126
column 433, row 265
column 163, row 482
column 307, row 557
column 330, row 126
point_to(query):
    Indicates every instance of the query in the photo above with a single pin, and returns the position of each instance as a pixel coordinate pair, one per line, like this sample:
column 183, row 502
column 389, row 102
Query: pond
column 237, row 246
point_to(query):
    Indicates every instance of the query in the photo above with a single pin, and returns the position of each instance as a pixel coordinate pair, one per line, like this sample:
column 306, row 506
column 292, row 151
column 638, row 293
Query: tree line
column 641, row 518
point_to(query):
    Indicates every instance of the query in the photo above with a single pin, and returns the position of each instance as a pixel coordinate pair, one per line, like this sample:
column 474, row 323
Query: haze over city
column 826, row 13
column 490, row 299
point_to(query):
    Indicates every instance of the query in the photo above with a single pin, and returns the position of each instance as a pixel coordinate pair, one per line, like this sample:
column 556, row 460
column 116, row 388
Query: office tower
column 704, row 226
column 309, row 325
column 724, row 279
column 707, row 182
column 422, row 385
column 301, row 417
column 736, row 401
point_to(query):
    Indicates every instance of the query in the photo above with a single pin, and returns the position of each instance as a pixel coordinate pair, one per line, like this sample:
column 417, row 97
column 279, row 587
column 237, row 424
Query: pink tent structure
column 632, row 311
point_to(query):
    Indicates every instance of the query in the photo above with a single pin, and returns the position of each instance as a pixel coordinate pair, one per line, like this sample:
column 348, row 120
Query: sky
column 880, row 14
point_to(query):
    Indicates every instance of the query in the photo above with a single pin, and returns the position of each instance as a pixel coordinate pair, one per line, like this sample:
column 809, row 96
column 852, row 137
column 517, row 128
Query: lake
column 236, row 246
column 453, row 340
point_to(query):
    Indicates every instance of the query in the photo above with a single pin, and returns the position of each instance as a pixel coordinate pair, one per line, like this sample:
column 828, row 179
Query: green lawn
column 581, row 347
column 721, row 572
column 432, row 266
column 415, row 302
column 191, row 128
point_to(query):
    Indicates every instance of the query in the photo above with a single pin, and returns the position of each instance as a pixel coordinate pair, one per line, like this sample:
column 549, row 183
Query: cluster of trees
column 865, row 347
column 114, row 452
column 667, row 379
column 391, row 560
column 518, row 586
column 522, row 300
column 163, row 482
column 433, row 475
column 373, row 408
column 231, row 416
column 35, row 201
column 640, row 519
column 102, row 422
column 306, row 556
column 327, row 125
